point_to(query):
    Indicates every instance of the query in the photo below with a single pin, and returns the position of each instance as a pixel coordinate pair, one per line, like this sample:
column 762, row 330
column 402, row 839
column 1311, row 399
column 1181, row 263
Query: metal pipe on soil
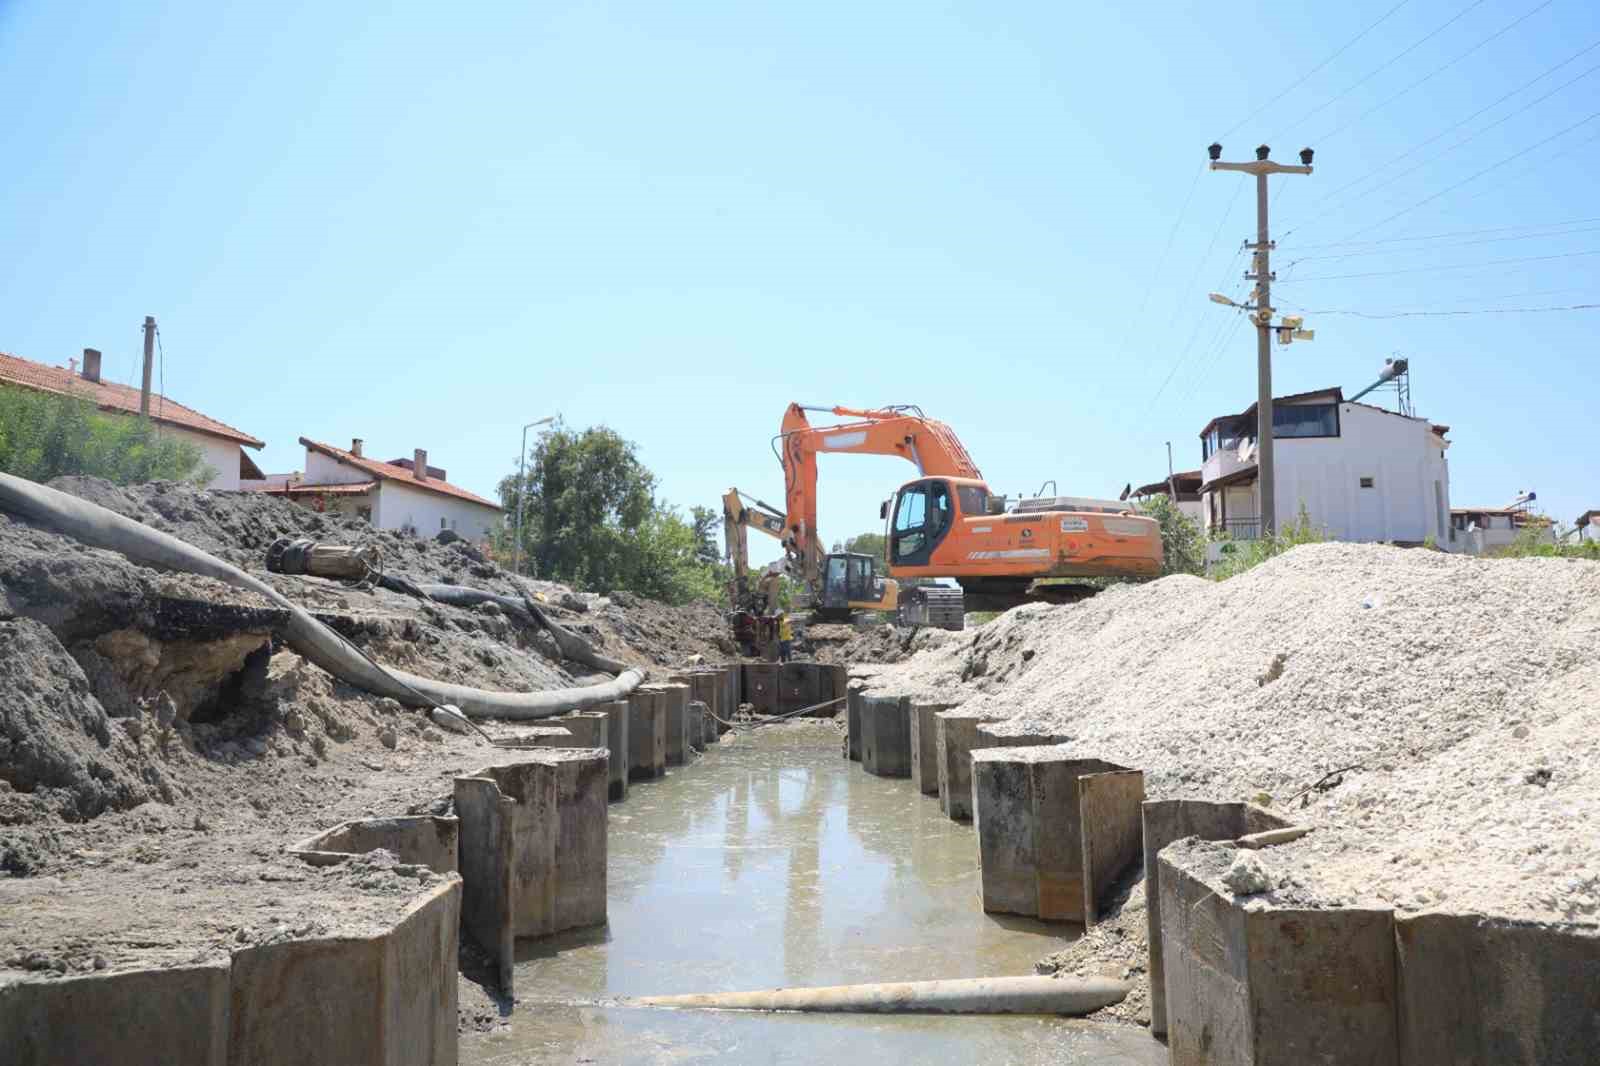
column 101, row 528
column 974, row 995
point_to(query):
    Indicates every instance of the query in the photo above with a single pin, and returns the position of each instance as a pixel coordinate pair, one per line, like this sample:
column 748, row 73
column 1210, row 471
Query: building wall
column 1401, row 457
column 398, row 506
column 222, row 456
column 1409, row 500
column 1589, row 532
column 324, row 470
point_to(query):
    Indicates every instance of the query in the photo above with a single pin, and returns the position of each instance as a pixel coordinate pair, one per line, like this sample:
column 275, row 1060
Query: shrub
column 45, row 435
column 1241, row 555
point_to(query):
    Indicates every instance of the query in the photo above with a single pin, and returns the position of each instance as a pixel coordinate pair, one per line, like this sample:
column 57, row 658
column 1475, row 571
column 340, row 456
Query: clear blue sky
column 429, row 226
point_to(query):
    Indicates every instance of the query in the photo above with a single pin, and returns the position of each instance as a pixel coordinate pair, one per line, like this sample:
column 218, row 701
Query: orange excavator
column 947, row 523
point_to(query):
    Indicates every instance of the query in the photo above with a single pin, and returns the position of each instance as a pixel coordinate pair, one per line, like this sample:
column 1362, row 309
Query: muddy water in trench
column 769, row 862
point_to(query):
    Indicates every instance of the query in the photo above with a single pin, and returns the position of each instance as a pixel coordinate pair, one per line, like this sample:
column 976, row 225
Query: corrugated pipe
column 96, row 526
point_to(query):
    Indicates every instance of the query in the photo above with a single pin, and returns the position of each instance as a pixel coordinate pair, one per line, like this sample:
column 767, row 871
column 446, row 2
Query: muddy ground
column 159, row 746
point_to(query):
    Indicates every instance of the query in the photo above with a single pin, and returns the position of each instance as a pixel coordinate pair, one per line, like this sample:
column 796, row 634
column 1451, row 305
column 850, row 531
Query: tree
column 1182, row 544
column 706, row 523
column 590, row 519
column 873, row 544
column 45, row 435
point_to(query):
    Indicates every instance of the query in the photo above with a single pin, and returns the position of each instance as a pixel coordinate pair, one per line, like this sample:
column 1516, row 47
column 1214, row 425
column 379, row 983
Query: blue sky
column 428, row 226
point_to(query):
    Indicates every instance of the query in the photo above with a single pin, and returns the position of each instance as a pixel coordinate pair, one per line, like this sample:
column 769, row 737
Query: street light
column 1218, row 298
column 522, row 482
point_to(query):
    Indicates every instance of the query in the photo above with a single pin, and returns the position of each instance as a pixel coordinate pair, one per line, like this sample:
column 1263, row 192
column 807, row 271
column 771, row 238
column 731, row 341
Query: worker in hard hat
column 785, row 637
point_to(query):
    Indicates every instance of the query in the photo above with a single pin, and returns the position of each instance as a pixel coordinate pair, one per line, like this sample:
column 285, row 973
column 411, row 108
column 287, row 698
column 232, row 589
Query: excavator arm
column 736, row 519
column 901, row 430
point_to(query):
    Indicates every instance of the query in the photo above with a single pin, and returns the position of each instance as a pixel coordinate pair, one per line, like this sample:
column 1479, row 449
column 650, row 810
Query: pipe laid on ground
column 102, row 528
column 973, row 995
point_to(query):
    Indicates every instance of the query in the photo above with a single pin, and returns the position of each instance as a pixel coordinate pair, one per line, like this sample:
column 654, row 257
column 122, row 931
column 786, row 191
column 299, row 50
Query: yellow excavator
column 847, row 582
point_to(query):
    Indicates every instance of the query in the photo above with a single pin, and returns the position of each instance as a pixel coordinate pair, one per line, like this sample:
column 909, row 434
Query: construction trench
column 217, row 852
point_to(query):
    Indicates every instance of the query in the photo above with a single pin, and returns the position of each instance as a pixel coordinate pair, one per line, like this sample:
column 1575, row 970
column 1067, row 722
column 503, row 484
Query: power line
column 1508, row 27
column 1454, row 233
column 1161, row 263
column 1475, row 176
column 1468, row 138
column 1474, row 311
column 1190, row 288
column 1542, row 164
column 1308, row 74
column 1444, row 133
column 1452, row 244
column 1456, row 266
column 1388, row 63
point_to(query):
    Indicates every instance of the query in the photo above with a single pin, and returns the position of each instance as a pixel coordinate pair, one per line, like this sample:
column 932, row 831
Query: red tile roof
column 300, row 488
column 109, row 396
column 390, row 472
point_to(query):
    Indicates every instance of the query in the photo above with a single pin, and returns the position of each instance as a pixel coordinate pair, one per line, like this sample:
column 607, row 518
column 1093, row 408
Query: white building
column 1587, row 526
column 401, row 494
column 221, row 446
column 1360, row 472
column 1183, row 488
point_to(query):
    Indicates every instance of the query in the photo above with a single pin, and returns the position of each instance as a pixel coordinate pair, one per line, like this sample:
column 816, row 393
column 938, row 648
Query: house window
column 1305, row 420
column 1366, row 482
column 444, row 523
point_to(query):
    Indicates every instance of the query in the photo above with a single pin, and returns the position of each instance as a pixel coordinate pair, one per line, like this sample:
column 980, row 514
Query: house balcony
column 1237, row 529
column 1226, row 461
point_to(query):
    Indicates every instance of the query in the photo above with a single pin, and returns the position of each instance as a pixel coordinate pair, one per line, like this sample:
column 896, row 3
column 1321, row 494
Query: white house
column 1183, row 488
column 1361, row 473
column 401, row 494
column 1587, row 526
column 222, row 448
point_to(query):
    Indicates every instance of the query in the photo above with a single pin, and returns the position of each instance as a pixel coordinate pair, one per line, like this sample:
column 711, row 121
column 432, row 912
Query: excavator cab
column 850, row 583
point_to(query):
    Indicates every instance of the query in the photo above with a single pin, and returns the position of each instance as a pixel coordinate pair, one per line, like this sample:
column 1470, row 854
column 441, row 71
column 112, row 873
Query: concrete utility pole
column 149, row 364
column 1262, row 168
column 522, row 482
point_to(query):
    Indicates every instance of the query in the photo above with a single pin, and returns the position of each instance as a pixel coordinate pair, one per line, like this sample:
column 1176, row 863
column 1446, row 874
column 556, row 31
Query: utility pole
column 149, row 364
column 1262, row 168
column 522, row 486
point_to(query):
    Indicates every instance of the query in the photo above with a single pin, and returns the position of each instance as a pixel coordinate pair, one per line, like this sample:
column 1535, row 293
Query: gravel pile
column 1437, row 716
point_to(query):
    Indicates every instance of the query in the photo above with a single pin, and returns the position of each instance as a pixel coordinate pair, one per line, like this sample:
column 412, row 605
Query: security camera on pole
column 1288, row 331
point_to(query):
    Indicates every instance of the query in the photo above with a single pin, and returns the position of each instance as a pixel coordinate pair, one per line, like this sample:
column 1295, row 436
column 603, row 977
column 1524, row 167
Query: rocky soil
column 159, row 746
column 1436, row 717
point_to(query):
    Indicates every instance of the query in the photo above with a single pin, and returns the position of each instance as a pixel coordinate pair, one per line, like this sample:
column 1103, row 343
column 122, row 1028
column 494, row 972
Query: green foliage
column 45, row 435
column 873, row 544
column 1242, row 555
column 1182, row 544
column 1535, row 541
column 590, row 519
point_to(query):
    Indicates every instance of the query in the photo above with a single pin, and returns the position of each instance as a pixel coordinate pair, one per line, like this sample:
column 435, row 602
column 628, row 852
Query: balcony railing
column 1238, row 528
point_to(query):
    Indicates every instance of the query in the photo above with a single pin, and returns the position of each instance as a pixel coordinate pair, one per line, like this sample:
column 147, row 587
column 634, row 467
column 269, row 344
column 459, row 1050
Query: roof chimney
column 91, row 364
column 419, row 464
column 355, row 447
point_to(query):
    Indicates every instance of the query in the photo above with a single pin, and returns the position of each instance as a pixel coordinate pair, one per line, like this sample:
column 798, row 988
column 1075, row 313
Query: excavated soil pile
column 1436, row 717
column 159, row 747
column 848, row 644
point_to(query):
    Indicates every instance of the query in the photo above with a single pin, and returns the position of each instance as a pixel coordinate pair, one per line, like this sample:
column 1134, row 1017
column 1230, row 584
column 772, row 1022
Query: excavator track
column 932, row 605
column 1002, row 594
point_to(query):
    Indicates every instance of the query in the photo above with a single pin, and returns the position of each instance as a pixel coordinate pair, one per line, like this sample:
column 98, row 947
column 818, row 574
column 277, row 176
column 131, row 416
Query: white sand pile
column 1466, row 691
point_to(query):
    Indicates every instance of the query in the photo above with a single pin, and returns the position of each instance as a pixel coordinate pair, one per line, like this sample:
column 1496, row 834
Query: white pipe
column 973, row 995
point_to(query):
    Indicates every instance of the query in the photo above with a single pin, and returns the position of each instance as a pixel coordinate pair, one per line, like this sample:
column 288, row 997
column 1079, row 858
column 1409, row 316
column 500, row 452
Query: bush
column 45, row 435
column 1183, row 546
column 1242, row 555
column 1534, row 541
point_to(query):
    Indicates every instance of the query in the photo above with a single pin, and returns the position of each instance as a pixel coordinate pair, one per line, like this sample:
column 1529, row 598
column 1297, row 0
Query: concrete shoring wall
column 1477, row 992
column 383, row 1000
column 700, row 724
column 1164, row 821
column 675, row 703
column 619, row 744
column 486, row 816
column 925, row 746
column 1048, row 843
column 956, row 734
column 1264, row 984
column 136, row 1018
column 418, row 840
column 886, row 735
column 852, row 722
column 585, row 729
column 647, row 733
column 759, row 687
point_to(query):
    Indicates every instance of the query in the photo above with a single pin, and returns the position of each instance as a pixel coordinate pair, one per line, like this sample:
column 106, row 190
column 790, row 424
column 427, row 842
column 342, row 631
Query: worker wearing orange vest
column 785, row 638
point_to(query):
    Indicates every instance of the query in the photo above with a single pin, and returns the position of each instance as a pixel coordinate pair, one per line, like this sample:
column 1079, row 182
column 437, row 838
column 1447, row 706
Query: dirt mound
column 847, row 644
column 1446, row 704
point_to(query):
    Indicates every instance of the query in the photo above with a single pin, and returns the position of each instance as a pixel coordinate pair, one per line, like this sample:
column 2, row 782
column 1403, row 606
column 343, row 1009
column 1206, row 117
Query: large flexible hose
column 974, row 995
column 101, row 528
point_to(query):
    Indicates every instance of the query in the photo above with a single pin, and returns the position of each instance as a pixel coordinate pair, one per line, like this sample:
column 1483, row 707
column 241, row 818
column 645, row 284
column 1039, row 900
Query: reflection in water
column 769, row 862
